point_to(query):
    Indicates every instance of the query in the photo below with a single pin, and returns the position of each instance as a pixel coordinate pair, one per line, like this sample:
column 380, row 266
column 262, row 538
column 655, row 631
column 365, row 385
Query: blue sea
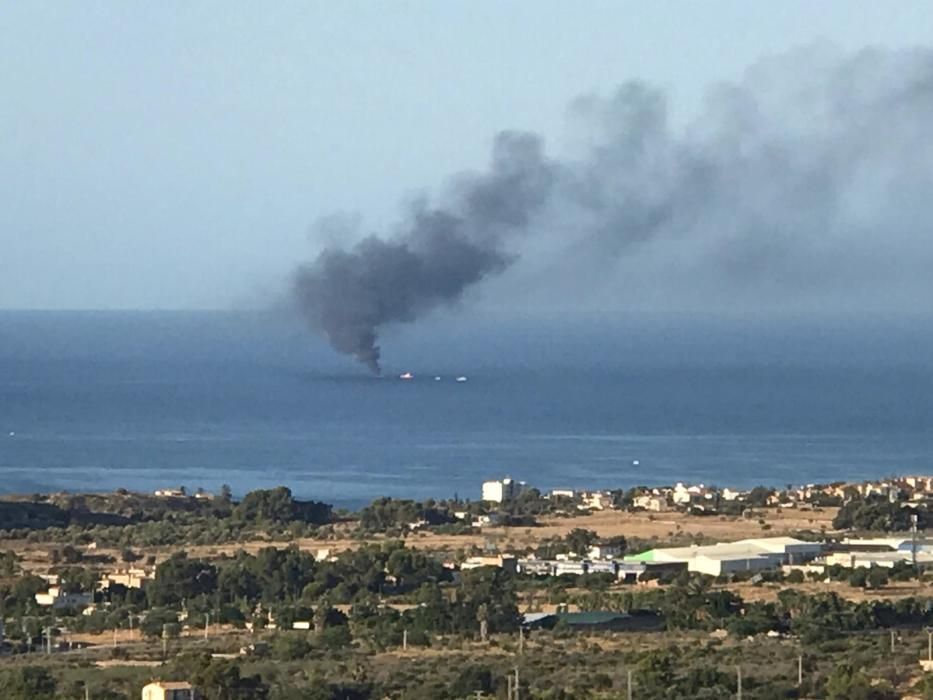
column 143, row 400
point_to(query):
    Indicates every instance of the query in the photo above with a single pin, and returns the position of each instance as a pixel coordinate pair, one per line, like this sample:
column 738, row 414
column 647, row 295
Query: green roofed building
column 637, row 620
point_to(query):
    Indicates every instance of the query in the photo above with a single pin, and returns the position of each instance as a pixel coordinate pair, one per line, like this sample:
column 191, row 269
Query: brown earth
column 639, row 525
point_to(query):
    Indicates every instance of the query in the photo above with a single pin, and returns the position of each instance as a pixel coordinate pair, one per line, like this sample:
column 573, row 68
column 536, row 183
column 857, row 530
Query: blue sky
column 177, row 154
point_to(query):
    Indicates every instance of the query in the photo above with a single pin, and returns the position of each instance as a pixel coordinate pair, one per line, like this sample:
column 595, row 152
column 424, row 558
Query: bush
column 290, row 647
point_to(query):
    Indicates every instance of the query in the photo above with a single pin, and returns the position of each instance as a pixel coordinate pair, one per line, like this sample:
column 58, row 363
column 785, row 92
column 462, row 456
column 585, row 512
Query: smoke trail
column 810, row 178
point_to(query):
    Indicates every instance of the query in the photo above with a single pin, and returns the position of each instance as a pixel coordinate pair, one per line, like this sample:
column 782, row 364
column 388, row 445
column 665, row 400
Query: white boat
column 437, row 379
column 406, row 375
column 461, row 379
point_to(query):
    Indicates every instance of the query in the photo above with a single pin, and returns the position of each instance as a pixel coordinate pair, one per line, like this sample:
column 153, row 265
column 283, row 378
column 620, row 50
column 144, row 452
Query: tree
column 277, row 506
column 580, row 540
column 924, row 688
column 877, row 514
column 845, row 683
column 877, row 577
column 858, row 577
column 471, row 680
column 758, row 497
column 218, row 679
column 156, row 620
column 492, row 588
column 290, row 647
column 9, row 564
column 27, row 683
column 179, row 578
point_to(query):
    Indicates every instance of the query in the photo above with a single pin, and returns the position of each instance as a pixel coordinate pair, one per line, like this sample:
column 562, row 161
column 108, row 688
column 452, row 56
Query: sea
column 94, row 401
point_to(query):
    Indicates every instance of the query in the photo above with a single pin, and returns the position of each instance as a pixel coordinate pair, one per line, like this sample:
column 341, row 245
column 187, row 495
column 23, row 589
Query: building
column 506, row 562
column 629, row 572
column 563, row 493
column 596, row 500
column 487, row 520
column 56, row 598
column 887, row 560
column 594, row 621
column 604, row 550
column 571, row 568
column 131, row 578
column 566, row 567
column 502, row 490
column 732, row 557
column 168, row 690
column 656, row 504
column 170, row 493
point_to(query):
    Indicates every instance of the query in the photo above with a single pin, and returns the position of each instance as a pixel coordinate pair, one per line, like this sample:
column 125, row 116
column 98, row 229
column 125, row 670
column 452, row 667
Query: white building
column 656, row 504
column 502, row 490
column 489, row 520
column 131, row 578
column 56, row 598
column 503, row 561
column 731, row 557
column 596, row 500
column 170, row 493
column 887, row 560
column 681, row 495
column 604, row 551
column 164, row 690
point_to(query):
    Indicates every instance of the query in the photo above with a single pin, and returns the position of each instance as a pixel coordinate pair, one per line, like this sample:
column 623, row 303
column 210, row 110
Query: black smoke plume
column 350, row 295
column 809, row 181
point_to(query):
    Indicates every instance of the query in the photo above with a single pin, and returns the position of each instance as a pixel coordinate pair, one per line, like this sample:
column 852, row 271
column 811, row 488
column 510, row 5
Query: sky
column 182, row 155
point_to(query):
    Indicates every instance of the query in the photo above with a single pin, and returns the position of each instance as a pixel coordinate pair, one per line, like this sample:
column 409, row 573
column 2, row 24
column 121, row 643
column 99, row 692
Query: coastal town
column 112, row 588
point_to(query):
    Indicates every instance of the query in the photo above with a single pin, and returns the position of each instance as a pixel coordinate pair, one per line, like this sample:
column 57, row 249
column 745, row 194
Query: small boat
column 461, row 379
column 437, row 379
column 406, row 375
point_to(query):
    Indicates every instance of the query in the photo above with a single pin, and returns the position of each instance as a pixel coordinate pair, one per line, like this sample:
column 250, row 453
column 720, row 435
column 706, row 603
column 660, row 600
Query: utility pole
column 913, row 540
column 738, row 694
column 114, row 636
column 521, row 640
column 405, row 640
column 799, row 670
column 892, row 641
column 87, row 691
column 629, row 683
column 517, row 683
column 929, row 631
column 164, row 641
column 207, row 624
column 509, row 695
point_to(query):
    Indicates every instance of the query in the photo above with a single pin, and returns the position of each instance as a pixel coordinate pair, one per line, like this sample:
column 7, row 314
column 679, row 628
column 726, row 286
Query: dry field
column 894, row 591
column 659, row 527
